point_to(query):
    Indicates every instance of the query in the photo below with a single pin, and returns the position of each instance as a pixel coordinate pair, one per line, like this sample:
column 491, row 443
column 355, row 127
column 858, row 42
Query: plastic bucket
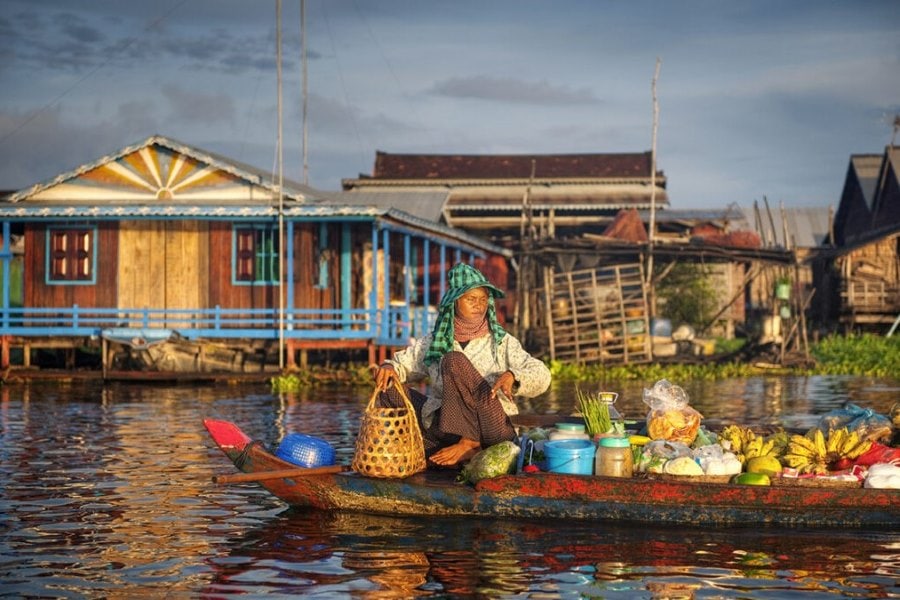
column 305, row 450
column 570, row 456
column 660, row 327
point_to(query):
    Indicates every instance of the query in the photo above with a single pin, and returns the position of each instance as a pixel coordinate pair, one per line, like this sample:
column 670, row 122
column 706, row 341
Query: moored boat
column 676, row 501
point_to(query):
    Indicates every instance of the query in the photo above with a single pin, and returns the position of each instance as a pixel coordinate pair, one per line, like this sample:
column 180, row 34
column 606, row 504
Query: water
column 106, row 492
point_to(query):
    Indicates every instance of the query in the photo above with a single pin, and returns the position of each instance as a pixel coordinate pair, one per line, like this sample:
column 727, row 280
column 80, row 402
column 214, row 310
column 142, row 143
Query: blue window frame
column 71, row 256
column 255, row 255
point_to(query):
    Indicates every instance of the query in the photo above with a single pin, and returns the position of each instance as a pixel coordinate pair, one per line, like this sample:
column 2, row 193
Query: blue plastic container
column 305, row 450
column 570, row 456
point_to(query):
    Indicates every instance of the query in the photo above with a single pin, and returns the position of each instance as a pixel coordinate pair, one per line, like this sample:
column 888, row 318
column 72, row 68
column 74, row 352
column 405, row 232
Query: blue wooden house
column 162, row 242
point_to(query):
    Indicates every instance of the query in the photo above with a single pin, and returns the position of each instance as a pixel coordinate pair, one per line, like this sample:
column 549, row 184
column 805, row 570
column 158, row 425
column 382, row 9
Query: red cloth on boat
column 878, row 453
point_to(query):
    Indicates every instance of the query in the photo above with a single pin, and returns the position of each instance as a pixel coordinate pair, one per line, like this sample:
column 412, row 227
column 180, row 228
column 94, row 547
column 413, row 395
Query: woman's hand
column 385, row 376
column 504, row 384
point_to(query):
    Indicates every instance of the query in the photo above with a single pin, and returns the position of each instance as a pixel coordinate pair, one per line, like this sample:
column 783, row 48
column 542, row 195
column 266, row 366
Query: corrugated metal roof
column 868, row 171
column 25, row 212
column 807, row 227
column 427, row 205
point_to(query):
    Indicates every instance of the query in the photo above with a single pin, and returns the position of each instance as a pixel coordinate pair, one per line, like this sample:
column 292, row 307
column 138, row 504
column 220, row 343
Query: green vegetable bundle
column 594, row 411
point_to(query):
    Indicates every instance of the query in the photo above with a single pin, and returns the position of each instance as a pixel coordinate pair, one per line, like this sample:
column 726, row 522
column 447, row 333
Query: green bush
column 865, row 354
column 685, row 295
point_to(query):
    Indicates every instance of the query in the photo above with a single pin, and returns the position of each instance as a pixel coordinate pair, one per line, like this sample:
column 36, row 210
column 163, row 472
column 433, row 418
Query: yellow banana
column 851, row 442
column 795, row 460
column 861, row 448
column 733, row 435
column 820, row 442
column 802, row 440
column 757, row 446
column 767, row 448
column 799, row 450
column 835, row 440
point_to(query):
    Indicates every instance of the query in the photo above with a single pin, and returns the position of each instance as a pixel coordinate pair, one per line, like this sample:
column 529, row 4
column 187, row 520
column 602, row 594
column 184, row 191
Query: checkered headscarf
column 462, row 278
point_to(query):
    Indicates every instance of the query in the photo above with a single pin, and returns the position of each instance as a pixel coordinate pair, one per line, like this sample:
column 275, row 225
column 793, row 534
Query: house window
column 256, row 255
column 70, row 255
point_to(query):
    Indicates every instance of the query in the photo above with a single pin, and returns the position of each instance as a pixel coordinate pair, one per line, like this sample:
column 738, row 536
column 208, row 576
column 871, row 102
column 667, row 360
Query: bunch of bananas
column 814, row 453
column 745, row 444
column 781, row 438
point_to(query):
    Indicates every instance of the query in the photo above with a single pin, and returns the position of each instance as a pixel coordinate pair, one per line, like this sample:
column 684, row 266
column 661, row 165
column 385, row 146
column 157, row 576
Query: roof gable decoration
column 158, row 170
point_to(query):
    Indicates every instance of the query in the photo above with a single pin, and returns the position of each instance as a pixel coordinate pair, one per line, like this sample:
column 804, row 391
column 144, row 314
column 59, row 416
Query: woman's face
column 472, row 304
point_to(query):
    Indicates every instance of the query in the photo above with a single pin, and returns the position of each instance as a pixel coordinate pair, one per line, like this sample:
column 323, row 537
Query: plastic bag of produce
column 496, row 460
column 883, row 476
column 655, row 454
column 867, row 423
column 715, row 460
column 670, row 417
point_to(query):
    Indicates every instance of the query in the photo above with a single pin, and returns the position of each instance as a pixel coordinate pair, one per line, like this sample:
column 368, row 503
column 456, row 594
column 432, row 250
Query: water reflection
column 106, row 493
column 381, row 556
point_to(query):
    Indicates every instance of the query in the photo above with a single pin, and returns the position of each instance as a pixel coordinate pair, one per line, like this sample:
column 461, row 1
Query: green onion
column 594, row 411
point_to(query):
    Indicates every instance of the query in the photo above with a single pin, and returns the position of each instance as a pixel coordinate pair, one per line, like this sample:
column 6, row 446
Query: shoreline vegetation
column 860, row 355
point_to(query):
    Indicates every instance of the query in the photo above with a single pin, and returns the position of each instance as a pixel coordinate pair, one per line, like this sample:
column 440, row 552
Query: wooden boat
column 560, row 496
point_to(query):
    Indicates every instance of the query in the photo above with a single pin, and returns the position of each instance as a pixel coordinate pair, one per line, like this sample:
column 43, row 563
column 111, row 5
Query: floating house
column 166, row 257
column 578, row 225
column 862, row 263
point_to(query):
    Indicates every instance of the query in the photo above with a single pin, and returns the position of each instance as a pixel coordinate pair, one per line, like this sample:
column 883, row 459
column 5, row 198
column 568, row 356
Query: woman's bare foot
column 461, row 451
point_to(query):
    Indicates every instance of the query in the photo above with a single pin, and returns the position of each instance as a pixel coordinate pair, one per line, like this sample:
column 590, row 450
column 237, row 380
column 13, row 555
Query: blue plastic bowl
column 305, row 450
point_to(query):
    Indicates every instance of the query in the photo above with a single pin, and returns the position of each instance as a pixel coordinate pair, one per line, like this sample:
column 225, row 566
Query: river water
column 106, row 492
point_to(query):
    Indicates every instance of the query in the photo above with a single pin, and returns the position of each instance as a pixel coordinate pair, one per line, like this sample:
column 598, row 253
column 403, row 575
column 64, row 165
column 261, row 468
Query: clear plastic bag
column 496, row 460
column 671, row 417
column 867, row 423
column 657, row 453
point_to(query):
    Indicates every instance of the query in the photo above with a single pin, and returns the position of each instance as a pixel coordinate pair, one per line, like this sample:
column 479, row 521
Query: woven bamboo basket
column 389, row 444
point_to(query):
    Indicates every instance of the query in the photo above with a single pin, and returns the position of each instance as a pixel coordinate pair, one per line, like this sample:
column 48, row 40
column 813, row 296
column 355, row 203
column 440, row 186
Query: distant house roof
column 870, row 201
column 510, row 166
column 806, row 227
column 867, row 168
column 164, row 168
column 490, row 193
column 423, row 204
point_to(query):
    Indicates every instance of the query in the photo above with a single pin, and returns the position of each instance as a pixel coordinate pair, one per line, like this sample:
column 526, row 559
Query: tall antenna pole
column 652, row 232
column 280, row 193
column 305, row 90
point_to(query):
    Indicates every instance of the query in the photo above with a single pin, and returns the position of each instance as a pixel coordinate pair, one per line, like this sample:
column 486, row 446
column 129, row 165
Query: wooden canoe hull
column 560, row 496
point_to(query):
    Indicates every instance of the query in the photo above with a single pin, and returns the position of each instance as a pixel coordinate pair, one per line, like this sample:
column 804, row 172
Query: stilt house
column 162, row 244
column 863, row 264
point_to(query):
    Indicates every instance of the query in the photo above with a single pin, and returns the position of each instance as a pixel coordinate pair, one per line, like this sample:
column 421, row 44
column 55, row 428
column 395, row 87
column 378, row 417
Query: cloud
column 53, row 147
column 189, row 106
column 506, row 89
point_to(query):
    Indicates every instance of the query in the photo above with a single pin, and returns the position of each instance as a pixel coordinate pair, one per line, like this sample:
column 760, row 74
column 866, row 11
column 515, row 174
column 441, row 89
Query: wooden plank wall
column 38, row 294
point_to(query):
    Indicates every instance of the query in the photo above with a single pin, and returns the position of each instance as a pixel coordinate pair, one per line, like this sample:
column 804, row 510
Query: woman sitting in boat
column 475, row 368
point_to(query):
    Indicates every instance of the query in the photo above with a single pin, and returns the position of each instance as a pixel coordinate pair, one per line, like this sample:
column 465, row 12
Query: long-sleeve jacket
column 532, row 375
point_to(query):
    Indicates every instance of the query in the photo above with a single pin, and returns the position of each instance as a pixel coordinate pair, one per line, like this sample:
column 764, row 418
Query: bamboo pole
column 279, row 474
column 652, row 232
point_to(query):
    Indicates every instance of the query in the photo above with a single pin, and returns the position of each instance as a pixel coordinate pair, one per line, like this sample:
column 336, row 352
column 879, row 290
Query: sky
column 755, row 99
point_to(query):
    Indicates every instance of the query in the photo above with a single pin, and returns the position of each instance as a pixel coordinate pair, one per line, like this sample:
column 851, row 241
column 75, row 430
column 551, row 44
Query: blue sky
column 756, row 98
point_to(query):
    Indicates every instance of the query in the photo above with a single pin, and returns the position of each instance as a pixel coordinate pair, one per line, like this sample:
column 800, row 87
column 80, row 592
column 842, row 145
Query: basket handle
column 401, row 389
